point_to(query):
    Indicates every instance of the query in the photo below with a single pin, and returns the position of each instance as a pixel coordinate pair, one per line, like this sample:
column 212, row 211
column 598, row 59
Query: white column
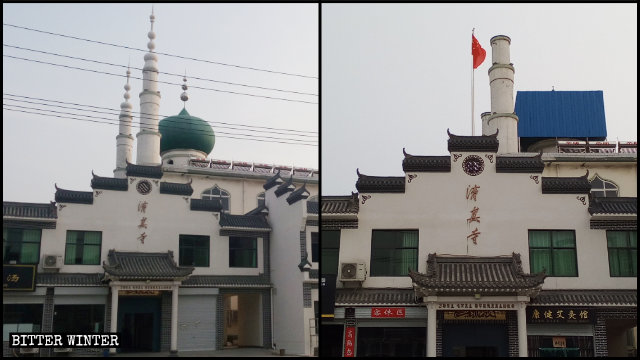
column 114, row 313
column 174, row 319
column 431, row 329
column 522, row 330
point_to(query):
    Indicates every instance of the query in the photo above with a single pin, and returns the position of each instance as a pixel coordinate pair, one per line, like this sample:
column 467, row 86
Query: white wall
column 509, row 205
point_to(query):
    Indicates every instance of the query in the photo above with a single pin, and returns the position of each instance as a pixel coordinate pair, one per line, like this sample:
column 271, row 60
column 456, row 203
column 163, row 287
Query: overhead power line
column 158, row 81
column 159, row 53
column 141, row 113
column 160, row 72
column 109, row 122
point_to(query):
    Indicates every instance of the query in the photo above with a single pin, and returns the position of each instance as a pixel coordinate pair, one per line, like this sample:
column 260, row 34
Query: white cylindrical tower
column 148, row 137
column 502, row 116
column 124, row 140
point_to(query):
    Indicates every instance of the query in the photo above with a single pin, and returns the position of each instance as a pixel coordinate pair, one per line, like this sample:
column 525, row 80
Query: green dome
column 184, row 131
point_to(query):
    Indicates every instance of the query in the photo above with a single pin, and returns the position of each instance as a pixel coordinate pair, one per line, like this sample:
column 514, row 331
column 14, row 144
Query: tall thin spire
column 124, row 140
column 148, row 137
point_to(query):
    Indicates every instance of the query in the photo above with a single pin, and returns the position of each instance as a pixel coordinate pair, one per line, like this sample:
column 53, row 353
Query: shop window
column 603, row 188
column 215, row 193
column 26, row 318
column 553, row 251
column 261, row 199
column 194, row 250
column 21, row 246
column 623, row 253
column 78, row 319
column 393, row 252
column 243, row 252
column 330, row 250
column 315, row 247
column 83, row 247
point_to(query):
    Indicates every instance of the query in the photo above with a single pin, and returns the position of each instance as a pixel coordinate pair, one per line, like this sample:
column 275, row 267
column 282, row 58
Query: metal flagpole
column 473, row 75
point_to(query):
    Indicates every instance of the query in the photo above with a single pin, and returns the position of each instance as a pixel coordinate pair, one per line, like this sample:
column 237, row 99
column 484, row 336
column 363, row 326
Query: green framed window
column 623, row 253
column 21, row 246
column 83, row 247
column 194, row 250
column 329, row 251
column 393, row 252
column 243, row 252
column 553, row 251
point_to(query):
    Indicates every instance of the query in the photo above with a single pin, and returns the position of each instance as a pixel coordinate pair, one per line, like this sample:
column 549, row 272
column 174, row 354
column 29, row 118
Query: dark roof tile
column 519, row 164
column 107, row 183
column 66, row 279
column 566, row 185
column 340, row 204
column 312, row 207
column 464, row 274
column 426, row 163
column 29, row 210
column 285, row 187
column 205, row 205
column 154, row 172
column 379, row 184
column 613, row 205
column 70, row 196
column 362, row 297
column 297, row 195
column 249, row 222
column 142, row 266
column 483, row 143
column 176, row 188
column 573, row 297
column 227, row 281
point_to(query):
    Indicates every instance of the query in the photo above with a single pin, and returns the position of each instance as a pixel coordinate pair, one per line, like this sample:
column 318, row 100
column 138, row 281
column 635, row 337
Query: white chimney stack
column 501, row 81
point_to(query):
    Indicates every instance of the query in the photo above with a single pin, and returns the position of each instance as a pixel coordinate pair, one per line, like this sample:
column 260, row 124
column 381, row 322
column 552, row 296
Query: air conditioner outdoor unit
column 352, row 272
column 52, row 262
column 29, row 350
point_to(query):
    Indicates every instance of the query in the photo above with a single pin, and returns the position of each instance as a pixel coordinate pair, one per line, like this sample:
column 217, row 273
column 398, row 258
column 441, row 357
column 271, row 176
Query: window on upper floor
column 215, row 193
column 553, row 251
column 393, row 252
column 243, row 252
column 194, row 250
column 623, row 253
column 330, row 250
column 315, row 247
column 21, row 246
column 603, row 188
column 83, row 247
column 260, row 199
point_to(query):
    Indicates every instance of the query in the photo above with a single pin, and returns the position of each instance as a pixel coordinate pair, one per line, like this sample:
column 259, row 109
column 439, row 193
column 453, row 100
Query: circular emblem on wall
column 473, row 165
column 143, row 187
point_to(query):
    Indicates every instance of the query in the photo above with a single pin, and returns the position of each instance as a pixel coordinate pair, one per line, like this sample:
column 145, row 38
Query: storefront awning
column 458, row 275
column 586, row 298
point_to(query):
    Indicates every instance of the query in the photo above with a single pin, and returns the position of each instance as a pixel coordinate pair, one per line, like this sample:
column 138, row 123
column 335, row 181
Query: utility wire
column 160, row 72
column 177, row 121
column 151, row 127
column 159, row 53
column 158, row 81
column 137, row 112
column 147, row 128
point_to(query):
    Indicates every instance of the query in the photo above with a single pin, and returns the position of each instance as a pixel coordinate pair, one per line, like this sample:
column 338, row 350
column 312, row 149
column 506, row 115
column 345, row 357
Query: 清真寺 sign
column 349, row 341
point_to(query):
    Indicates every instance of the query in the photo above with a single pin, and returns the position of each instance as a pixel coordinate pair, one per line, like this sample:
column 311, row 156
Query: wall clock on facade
column 473, row 165
column 143, row 187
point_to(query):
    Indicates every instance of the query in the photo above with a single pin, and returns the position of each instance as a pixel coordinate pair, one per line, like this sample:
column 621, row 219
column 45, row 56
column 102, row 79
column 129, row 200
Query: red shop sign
column 349, row 341
column 387, row 312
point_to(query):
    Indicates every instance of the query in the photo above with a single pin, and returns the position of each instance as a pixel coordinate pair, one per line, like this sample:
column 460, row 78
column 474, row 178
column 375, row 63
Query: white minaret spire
column 124, row 140
column 148, row 137
column 502, row 116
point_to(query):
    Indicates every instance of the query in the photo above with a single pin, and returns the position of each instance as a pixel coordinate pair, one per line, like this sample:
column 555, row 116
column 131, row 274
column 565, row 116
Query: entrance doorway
column 475, row 340
column 139, row 323
column 243, row 320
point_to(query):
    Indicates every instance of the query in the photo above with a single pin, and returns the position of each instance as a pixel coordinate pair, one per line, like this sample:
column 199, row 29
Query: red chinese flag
column 477, row 51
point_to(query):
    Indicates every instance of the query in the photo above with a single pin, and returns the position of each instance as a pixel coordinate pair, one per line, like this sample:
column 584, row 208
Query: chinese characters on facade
column 472, row 193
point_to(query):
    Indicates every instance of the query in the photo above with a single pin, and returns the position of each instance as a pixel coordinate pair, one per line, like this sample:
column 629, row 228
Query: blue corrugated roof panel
column 566, row 114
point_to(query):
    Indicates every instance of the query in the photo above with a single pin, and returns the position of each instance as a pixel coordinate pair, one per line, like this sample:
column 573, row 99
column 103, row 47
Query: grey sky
column 39, row 151
column 399, row 75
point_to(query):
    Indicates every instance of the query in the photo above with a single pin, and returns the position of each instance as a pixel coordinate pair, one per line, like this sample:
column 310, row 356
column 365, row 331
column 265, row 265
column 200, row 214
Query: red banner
column 387, row 312
column 349, row 341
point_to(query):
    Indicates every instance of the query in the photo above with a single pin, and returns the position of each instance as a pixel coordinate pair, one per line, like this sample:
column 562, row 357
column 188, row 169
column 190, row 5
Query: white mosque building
column 520, row 242
column 176, row 252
